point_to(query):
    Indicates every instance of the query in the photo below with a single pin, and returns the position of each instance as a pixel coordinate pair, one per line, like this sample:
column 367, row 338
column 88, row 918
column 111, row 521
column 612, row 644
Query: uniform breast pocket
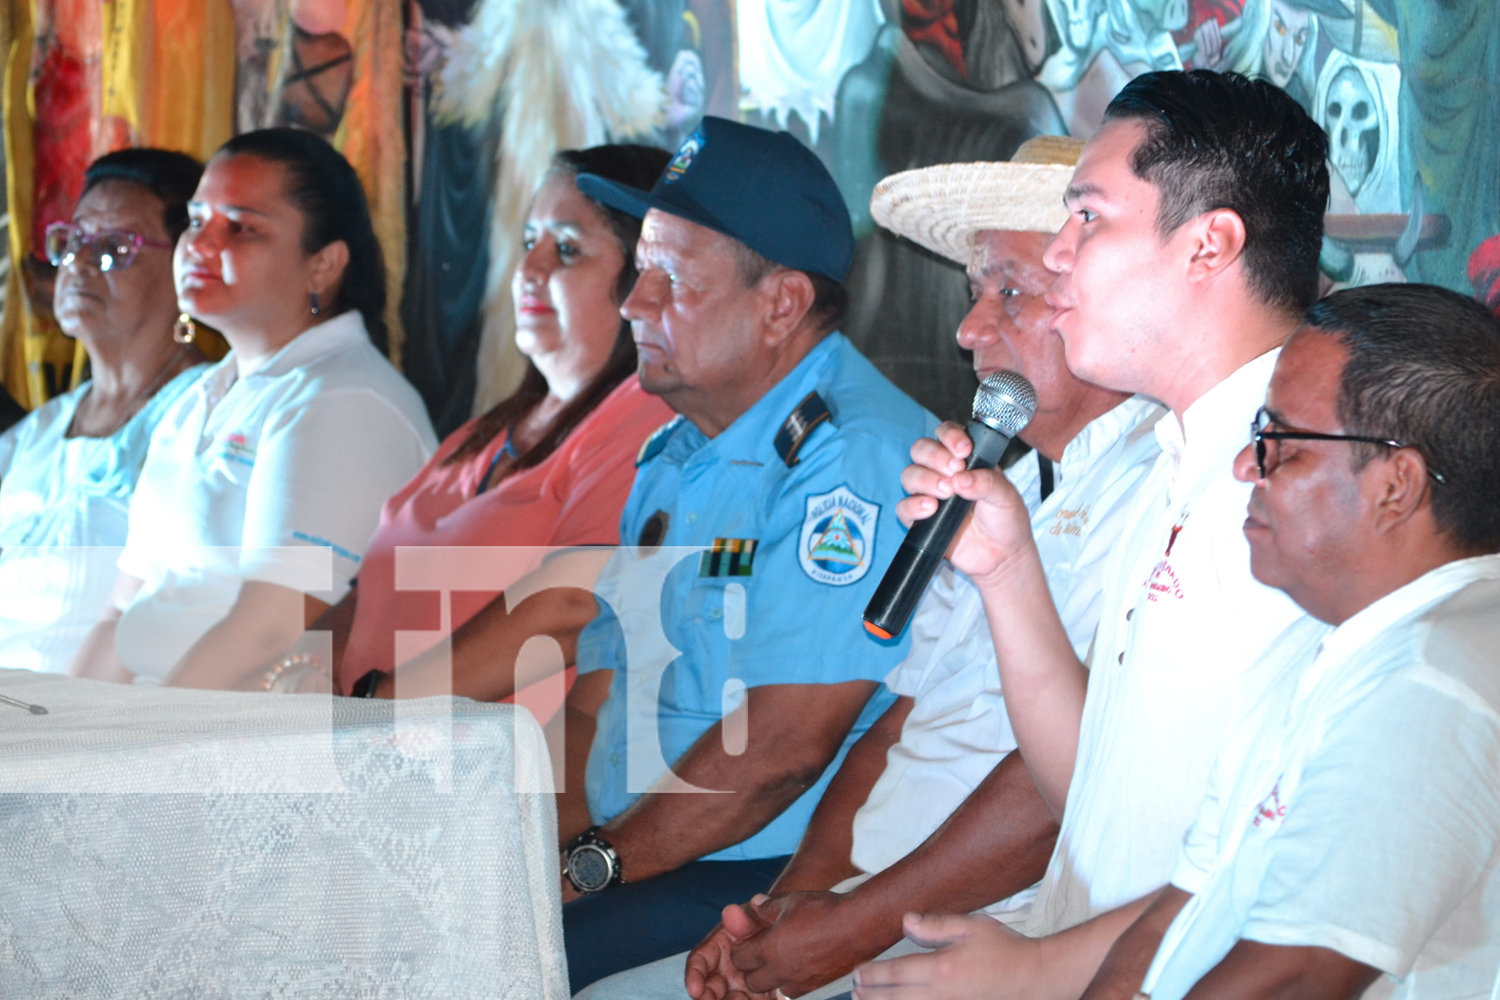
column 712, row 620
column 703, row 608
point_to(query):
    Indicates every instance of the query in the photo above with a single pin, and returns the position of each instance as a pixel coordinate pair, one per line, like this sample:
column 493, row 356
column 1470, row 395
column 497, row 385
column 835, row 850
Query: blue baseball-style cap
column 763, row 188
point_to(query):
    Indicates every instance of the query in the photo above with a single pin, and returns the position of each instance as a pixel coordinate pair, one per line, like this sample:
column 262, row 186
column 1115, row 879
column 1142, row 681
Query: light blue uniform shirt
column 823, row 531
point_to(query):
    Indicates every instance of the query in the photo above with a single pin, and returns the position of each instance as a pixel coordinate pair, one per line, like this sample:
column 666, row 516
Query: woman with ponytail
column 263, row 483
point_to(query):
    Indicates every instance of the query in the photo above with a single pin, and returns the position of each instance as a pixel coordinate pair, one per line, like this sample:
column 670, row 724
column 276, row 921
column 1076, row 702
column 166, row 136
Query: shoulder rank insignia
column 656, row 442
column 728, row 557
column 809, row 413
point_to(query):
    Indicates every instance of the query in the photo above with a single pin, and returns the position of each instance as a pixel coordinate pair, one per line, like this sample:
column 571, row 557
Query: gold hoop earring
column 184, row 330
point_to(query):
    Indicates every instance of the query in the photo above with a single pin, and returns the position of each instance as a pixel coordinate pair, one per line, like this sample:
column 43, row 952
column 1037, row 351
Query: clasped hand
column 769, row 945
column 999, row 526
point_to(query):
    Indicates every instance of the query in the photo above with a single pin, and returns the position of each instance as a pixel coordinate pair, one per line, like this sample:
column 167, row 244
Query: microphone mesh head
column 1006, row 402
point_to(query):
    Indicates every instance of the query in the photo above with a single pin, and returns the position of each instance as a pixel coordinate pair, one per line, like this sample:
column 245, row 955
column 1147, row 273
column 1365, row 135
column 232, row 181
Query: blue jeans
column 640, row 922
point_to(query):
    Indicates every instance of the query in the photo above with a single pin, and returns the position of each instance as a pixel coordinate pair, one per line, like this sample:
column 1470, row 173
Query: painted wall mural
column 451, row 109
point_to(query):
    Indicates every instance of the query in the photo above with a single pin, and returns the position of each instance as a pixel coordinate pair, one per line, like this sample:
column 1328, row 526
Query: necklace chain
column 130, row 408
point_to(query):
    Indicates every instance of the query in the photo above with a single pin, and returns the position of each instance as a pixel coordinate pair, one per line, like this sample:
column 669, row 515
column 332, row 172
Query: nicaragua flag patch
column 838, row 537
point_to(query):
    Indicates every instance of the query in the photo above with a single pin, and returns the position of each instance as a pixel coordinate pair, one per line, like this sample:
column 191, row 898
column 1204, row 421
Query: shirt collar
column 752, row 436
column 1216, row 426
column 327, row 337
column 1101, row 433
column 1422, row 593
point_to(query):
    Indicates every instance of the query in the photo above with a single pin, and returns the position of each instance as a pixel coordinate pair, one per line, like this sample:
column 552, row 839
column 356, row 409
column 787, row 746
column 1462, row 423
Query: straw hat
column 942, row 207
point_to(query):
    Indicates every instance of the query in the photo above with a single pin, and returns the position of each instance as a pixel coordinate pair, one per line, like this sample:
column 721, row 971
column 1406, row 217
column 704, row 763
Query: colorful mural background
column 450, row 109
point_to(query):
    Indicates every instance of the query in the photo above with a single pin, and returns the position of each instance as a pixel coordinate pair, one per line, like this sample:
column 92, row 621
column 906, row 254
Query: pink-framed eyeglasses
column 110, row 250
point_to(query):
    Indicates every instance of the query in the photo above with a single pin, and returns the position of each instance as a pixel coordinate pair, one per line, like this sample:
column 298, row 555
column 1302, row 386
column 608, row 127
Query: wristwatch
column 591, row 863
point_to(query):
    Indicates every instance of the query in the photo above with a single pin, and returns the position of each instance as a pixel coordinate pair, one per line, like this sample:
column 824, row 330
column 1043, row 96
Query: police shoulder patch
column 653, row 445
column 838, row 537
column 799, row 425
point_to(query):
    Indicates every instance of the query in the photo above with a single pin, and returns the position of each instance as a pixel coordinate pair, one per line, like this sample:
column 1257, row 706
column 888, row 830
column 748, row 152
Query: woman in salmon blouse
column 550, row 466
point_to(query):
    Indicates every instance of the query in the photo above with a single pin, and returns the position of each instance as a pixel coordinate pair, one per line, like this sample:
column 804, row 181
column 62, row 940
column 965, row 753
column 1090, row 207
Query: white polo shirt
column 1182, row 626
column 958, row 730
column 246, row 474
column 1358, row 809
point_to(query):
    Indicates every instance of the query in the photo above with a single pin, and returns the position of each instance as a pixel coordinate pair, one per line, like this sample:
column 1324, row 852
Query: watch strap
column 366, row 685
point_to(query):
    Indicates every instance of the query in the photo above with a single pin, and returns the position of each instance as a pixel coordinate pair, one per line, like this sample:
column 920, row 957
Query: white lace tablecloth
column 169, row 843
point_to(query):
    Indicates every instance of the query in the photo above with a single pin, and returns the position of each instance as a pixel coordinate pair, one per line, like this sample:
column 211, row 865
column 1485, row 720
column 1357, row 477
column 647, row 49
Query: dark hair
column 326, row 190
column 1424, row 369
column 830, row 299
column 171, row 176
column 1218, row 140
column 637, row 166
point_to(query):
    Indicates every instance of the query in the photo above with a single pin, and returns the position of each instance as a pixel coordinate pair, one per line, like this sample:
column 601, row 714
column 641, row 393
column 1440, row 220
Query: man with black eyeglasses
column 1351, row 825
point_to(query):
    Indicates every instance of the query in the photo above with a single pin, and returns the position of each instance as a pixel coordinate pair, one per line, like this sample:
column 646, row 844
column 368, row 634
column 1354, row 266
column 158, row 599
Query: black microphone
column 1003, row 406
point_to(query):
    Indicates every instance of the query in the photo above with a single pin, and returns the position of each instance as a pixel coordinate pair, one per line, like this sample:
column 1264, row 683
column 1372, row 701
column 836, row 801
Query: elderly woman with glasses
column 264, row 482
column 69, row 469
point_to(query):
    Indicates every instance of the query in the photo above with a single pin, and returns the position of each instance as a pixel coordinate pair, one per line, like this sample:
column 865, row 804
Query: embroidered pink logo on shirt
column 237, row 449
column 1270, row 809
column 1163, row 582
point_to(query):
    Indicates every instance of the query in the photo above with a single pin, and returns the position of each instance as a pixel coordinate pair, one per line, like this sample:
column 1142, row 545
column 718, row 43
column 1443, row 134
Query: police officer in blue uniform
column 780, row 473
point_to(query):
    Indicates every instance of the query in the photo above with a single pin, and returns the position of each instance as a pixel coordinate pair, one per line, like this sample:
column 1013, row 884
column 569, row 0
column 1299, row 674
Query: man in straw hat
column 938, row 810
column 1189, row 254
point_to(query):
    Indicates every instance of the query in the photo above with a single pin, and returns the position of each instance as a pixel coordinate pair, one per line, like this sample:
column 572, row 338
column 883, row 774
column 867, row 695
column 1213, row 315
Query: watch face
column 589, row 867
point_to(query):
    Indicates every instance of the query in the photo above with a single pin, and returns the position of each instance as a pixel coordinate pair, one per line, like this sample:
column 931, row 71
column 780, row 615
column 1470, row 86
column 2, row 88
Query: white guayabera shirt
column 1358, row 808
column 958, row 729
column 1172, row 668
column 64, row 512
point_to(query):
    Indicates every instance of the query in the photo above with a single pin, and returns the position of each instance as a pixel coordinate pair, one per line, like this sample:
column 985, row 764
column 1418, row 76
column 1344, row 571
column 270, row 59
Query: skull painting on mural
column 1357, row 103
column 1353, row 123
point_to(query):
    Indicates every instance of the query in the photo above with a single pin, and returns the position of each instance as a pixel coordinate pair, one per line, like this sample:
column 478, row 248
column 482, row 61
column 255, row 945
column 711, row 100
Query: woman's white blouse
column 64, row 507
column 276, row 476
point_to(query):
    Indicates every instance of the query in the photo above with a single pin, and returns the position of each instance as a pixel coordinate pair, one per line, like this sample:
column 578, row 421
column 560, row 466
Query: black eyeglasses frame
column 1259, row 436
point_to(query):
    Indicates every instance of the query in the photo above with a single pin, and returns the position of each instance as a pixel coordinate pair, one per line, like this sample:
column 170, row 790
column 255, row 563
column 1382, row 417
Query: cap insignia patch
column 690, row 148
